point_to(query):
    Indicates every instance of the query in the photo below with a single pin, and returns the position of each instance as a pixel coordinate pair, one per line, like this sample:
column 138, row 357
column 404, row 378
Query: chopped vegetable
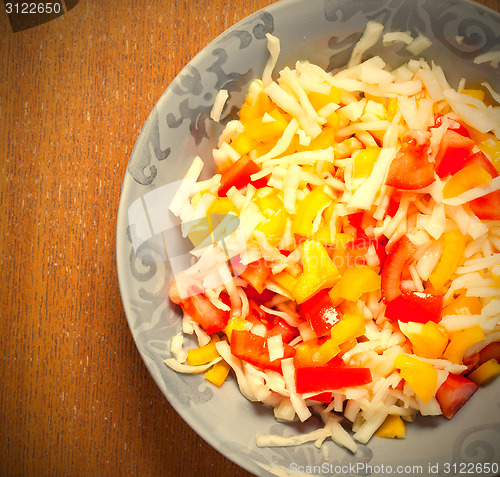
column 362, row 279
column 454, row 393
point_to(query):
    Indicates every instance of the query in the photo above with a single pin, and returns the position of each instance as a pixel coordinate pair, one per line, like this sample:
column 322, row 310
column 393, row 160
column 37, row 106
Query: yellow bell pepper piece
column 347, row 147
column 452, row 255
column 307, row 209
column 429, row 340
column 495, row 273
column 318, row 271
column 268, row 202
column 221, row 205
column 274, row 227
column 354, row 282
column 306, row 354
column 323, row 140
column 464, row 305
column 243, row 143
column 466, row 179
column 351, row 326
column 236, row 323
column 461, row 342
column 255, row 105
column 491, row 147
column 320, row 100
column 203, row 354
column 392, row 108
column 422, row 377
column 364, row 161
column 218, row 373
column 268, row 127
column 485, row 372
column 334, row 120
column 392, row 428
column 474, row 93
column 285, row 281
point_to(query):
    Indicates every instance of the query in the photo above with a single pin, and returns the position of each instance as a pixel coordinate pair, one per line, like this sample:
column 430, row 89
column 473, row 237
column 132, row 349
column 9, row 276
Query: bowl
column 150, row 248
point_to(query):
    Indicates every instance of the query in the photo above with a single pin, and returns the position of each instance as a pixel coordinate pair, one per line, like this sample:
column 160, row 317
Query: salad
column 346, row 256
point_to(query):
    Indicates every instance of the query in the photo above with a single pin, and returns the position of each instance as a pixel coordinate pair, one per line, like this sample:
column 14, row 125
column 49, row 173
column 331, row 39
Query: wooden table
column 75, row 396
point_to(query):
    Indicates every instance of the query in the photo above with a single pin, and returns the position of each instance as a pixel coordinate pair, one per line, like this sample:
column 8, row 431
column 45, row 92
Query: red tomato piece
column 320, row 312
column 453, row 125
column 318, row 379
column 491, row 351
column 454, row 393
column 253, row 349
column 415, row 306
column 411, row 169
column 261, row 298
column 207, row 315
column 481, row 159
column 452, row 154
column 239, row 174
column 402, row 251
column 487, row 207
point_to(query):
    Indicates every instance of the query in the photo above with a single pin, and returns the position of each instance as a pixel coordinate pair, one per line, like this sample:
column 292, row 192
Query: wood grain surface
column 75, row 397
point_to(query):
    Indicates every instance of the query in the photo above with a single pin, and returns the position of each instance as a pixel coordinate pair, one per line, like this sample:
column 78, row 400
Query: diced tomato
column 415, row 306
column 309, row 379
column 411, row 168
column 453, row 125
column 253, row 349
column 454, row 393
column 320, row 312
column 207, row 315
column 401, row 252
column 491, row 351
column 357, row 249
column 487, row 207
column 481, row 159
column 261, row 298
column 452, row 154
column 256, row 273
column 238, row 175
column 361, row 221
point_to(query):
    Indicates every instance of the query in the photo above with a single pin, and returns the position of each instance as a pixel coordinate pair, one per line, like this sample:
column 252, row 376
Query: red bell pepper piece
column 454, row 393
column 402, row 251
column 452, row 154
column 325, row 397
column 238, row 175
column 320, row 312
column 253, row 349
column 312, row 379
column 415, row 306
